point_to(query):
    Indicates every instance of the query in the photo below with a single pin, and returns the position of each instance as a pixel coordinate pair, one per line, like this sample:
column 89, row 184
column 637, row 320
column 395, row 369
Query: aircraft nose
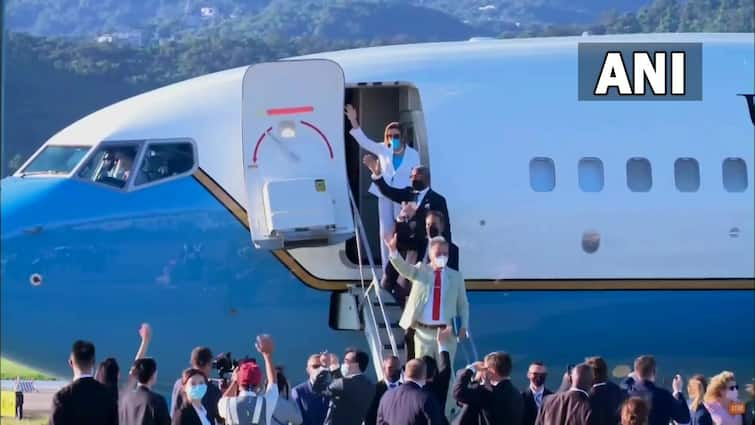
column 29, row 207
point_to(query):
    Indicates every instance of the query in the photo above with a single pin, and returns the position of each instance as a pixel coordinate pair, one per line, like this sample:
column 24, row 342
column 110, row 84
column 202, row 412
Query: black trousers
column 19, row 405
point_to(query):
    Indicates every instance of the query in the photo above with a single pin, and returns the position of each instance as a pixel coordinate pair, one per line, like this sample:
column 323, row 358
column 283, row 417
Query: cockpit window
column 163, row 160
column 111, row 164
column 56, row 160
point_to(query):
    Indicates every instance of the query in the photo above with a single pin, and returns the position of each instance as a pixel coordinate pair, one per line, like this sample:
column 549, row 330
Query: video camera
column 225, row 364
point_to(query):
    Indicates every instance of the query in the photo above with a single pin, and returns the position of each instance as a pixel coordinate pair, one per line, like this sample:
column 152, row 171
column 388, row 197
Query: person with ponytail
column 635, row 411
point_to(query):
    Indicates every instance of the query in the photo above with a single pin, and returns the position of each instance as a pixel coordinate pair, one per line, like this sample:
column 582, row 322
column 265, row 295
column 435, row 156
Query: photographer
column 242, row 403
column 201, row 359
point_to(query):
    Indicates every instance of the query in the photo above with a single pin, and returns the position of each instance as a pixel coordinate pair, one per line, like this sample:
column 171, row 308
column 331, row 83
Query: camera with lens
column 225, row 364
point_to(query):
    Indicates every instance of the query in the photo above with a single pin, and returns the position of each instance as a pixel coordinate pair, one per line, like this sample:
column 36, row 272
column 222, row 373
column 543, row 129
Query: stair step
column 399, row 346
column 386, row 304
column 394, row 325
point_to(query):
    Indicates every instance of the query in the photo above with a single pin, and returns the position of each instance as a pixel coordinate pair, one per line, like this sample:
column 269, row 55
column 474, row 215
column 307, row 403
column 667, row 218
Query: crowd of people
column 422, row 272
column 341, row 393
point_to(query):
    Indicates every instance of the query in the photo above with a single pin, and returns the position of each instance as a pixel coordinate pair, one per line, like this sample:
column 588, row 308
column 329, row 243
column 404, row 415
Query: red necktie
column 436, row 295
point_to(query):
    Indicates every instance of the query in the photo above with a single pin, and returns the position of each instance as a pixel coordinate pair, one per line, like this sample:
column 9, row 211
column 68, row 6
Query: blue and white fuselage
column 672, row 274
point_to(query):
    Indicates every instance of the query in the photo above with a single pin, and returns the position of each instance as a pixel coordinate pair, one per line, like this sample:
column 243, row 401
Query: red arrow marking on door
column 257, row 146
column 325, row 139
column 308, row 124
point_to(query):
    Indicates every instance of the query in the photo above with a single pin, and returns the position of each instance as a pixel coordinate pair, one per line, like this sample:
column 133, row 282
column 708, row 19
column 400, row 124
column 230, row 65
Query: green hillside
column 50, row 82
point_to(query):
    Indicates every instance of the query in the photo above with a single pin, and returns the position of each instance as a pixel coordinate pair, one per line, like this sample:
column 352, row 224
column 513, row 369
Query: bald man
column 571, row 407
column 409, row 404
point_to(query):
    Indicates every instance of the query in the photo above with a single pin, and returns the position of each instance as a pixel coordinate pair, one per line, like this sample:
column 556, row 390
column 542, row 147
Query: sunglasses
column 394, row 135
column 315, row 366
column 734, row 387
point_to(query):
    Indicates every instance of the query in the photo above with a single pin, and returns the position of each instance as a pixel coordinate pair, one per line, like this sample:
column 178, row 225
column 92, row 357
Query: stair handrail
column 374, row 284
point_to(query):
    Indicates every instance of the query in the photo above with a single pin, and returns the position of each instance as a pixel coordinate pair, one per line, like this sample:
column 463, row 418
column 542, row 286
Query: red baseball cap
column 249, row 374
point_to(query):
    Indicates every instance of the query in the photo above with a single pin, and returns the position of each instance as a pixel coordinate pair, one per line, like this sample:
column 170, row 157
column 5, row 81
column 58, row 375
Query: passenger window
column 111, row 164
column 735, row 174
column 590, row 175
column 687, row 175
column 542, row 174
column 639, row 175
column 164, row 160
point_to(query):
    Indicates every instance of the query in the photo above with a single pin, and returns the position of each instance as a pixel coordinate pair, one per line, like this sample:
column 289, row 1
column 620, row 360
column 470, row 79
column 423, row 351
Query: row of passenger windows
column 638, row 174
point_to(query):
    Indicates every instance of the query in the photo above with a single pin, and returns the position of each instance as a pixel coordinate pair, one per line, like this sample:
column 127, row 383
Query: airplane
column 219, row 208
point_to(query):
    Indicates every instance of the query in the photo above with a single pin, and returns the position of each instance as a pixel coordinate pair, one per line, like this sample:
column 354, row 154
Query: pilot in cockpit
column 123, row 161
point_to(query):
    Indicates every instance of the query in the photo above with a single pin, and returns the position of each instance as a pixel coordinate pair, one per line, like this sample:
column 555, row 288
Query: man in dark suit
column 313, row 406
column 534, row 395
column 606, row 397
column 439, row 373
column 410, row 404
column 84, row 401
column 571, row 407
column 142, row 406
column 391, row 377
column 350, row 391
column 420, row 193
column 494, row 399
column 664, row 406
column 435, row 225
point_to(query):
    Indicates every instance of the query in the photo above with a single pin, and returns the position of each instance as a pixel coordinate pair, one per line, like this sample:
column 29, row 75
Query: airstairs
column 380, row 313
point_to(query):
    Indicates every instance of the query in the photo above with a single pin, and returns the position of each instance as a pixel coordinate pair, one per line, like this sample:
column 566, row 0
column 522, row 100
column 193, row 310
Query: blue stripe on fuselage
column 173, row 256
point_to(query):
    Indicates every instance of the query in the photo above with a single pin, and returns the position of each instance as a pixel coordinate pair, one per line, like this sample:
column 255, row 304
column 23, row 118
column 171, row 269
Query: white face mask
column 345, row 369
column 732, row 395
column 441, row 261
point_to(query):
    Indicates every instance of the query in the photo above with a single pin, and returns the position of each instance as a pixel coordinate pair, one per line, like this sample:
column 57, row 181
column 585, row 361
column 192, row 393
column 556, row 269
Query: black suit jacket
column 187, row 415
column 566, row 408
column 141, row 406
column 209, row 401
column 350, row 397
column 606, row 401
column 442, row 380
column 530, row 407
column 501, row 405
column 663, row 405
column 701, row 416
column 380, row 389
column 409, row 405
column 84, row 402
column 432, row 201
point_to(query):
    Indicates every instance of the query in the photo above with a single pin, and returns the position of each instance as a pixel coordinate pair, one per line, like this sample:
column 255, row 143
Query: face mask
column 441, row 261
column 433, row 232
column 395, row 377
column 418, row 185
column 732, row 395
column 539, row 381
column 197, row 391
column 344, row 369
column 396, row 143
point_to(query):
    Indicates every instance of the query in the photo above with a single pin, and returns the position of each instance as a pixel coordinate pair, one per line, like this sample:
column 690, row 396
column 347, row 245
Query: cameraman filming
column 243, row 403
column 201, row 359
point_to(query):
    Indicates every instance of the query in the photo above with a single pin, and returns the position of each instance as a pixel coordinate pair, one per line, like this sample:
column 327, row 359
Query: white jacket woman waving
column 397, row 160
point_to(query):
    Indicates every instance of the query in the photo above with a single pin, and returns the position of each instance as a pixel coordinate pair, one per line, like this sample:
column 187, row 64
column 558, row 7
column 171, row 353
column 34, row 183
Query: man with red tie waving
column 438, row 295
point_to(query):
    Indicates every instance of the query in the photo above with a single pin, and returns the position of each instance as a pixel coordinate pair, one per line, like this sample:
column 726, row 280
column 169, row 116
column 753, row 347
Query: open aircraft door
column 294, row 160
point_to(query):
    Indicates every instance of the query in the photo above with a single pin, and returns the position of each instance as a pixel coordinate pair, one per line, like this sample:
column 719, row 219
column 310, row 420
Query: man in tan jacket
column 438, row 295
